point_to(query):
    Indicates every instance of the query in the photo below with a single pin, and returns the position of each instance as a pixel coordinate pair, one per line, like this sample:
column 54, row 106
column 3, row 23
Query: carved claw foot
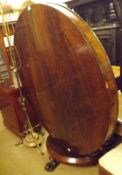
column 50, row 166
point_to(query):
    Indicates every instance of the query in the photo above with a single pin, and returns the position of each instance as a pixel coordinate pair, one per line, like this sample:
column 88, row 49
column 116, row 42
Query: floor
column 22, row 160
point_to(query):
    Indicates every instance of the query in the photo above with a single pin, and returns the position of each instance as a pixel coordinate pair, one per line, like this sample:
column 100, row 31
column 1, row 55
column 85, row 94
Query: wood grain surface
column 66, row 76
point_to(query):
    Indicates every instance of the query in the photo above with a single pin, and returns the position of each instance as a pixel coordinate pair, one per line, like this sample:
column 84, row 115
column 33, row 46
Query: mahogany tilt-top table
column 67, row 78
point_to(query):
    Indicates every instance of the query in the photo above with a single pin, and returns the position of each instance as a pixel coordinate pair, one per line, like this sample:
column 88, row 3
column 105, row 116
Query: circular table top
column 66, row 76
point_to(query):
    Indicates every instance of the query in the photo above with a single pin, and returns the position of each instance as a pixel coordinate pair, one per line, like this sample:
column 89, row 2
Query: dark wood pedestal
column 60, row 154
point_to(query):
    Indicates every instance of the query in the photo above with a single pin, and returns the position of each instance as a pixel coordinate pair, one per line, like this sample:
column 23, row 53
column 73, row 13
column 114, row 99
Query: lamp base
column 32, row 139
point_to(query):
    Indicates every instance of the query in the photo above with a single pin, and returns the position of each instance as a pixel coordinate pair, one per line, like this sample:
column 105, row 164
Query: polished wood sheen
column 66, row 77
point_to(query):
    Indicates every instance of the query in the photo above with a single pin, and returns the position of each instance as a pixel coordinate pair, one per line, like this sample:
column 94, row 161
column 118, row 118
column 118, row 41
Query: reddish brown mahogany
column 66, row 77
